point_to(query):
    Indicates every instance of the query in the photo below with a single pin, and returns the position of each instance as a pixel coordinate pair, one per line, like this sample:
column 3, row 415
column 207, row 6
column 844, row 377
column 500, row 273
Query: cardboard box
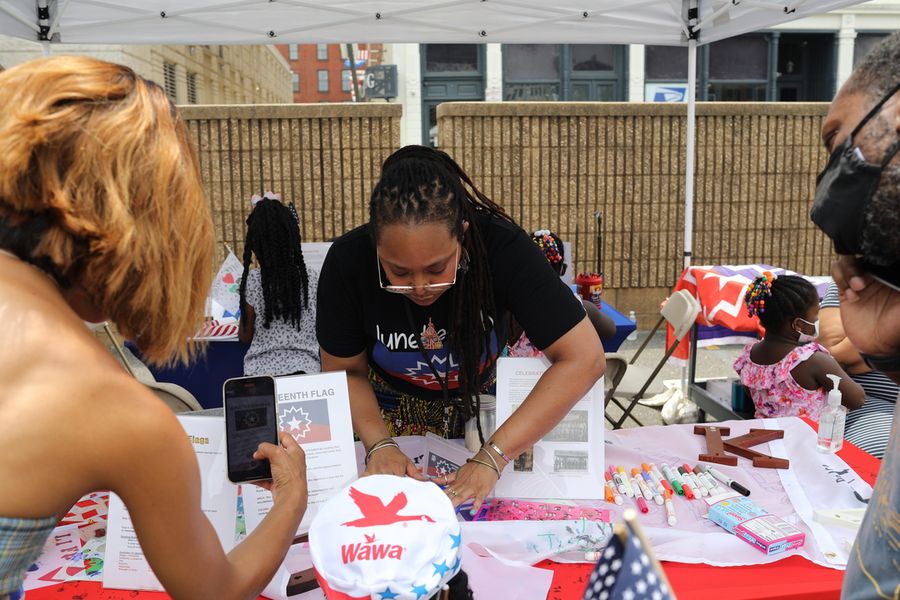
column 738, row 514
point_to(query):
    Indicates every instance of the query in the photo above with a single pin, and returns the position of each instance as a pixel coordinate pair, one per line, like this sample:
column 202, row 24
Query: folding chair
column 680, row 311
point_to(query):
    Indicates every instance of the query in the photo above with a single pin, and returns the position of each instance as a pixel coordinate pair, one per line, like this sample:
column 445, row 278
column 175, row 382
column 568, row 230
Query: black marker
column 727, row 481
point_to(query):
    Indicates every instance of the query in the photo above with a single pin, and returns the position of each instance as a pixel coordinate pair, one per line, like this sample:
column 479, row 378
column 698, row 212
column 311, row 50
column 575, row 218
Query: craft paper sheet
column 568, row 461
column 125, row 566
column 828, row 483
column 315, row 409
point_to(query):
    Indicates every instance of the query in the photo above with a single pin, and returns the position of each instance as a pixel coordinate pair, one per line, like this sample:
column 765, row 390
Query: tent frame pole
column 689, row 149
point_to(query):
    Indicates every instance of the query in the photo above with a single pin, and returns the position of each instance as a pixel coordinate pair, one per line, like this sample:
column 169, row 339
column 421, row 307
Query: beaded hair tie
column 759, row 289
column 547, row 243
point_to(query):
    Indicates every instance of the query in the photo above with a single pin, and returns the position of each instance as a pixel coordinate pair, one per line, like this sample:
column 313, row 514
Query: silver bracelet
column 499, row 452
column 378, row 446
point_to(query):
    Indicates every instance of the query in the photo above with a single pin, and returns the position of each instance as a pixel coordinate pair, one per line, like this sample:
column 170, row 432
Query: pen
column 642, row 504
column 628, row 490
column 672, row 479
column 654, row 489
column 728, row 481
column 707, row 480
column 670, row 510
column 619, row 480
column 611, row 495
column 639, row 484
column 659, row 479
column 695, row 484
column 695, row 476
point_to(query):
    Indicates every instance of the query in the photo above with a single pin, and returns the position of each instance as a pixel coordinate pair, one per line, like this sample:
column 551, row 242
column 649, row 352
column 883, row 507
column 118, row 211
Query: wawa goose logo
column 375, row 513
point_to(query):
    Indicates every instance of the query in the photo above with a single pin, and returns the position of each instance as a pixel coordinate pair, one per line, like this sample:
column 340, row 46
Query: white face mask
column 806, row 337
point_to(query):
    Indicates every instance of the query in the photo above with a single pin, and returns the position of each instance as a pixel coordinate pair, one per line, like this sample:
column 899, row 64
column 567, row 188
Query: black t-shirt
column 355, row 314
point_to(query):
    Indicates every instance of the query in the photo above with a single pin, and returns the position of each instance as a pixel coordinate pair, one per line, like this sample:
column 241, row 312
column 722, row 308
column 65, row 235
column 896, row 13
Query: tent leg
column 689, row 161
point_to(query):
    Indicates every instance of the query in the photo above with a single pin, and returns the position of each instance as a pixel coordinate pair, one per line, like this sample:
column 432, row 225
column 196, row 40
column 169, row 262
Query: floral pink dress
column 774, row 390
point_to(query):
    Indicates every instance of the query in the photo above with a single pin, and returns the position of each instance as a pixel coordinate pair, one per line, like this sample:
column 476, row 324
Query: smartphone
column 249, row 420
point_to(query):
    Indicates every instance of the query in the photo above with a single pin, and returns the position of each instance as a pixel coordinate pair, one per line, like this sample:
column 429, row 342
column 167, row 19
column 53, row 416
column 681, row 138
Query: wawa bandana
column 385, row 537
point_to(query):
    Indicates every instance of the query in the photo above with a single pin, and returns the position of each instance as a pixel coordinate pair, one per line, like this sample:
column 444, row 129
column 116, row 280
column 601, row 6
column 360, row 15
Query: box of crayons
column 738, row 514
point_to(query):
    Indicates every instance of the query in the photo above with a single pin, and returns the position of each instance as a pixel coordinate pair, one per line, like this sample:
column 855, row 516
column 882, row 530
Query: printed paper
column 568, row 461
column 125, row 566
column 315, row 410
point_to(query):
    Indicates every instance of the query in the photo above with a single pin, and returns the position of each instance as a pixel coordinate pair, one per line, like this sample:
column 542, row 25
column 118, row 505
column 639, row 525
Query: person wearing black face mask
column 858, row 206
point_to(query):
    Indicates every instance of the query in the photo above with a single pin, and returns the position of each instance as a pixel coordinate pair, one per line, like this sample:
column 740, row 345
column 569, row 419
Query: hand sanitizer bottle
column 832, row 420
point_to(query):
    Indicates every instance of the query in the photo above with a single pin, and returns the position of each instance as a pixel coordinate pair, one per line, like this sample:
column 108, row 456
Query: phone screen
column 249, row 420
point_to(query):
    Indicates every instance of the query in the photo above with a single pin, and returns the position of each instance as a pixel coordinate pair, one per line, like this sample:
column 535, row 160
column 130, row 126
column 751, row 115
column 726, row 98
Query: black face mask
column 845, row 188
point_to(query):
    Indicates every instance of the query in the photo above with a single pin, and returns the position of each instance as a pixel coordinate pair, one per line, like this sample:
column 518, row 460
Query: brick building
column 321, row 73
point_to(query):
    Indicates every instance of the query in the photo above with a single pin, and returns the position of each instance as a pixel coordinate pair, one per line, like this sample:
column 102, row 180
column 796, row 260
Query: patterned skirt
column 405, row 414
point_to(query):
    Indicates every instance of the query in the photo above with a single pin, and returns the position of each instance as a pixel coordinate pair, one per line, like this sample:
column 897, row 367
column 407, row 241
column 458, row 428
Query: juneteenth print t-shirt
column 354, row 314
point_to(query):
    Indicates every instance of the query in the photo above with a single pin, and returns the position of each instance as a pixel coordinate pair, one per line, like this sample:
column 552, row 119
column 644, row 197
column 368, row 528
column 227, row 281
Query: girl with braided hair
column 554, row 251
column 786, row 372
column 412, row 305
column 282, row 291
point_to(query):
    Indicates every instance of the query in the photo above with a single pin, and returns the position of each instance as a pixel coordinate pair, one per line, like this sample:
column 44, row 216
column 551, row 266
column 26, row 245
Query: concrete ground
column 711, row 362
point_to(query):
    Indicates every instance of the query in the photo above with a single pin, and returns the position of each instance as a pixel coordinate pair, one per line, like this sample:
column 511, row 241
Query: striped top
column 21, row 542
column 868, row 427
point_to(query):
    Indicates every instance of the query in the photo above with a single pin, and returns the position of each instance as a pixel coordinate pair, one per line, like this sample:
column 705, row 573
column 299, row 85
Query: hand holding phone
column 250, row 420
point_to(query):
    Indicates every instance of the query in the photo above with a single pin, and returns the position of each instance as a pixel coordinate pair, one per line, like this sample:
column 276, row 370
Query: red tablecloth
column 793, row 577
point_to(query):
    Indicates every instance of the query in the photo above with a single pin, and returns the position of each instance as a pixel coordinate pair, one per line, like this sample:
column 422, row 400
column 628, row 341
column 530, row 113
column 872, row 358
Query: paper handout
column 315, row 409
column 125, row 566
column 568, row 461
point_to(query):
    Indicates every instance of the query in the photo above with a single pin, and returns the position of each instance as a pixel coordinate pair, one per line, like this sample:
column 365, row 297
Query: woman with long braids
column 786, row 371
column 412, row 305
column 281, row 291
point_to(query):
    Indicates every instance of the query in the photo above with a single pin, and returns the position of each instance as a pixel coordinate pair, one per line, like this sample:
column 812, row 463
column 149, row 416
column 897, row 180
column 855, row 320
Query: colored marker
column 639, row 483
column 628, row 489
column 620, row 481
column 670, row 510
column 616, row 497
column 699, row 485
column 642, row 504
column 654, row 489
column 695, row 485
column 728, row 481
column 685, row 484
column 707, row 480
column 659, row 479
column 672, row 479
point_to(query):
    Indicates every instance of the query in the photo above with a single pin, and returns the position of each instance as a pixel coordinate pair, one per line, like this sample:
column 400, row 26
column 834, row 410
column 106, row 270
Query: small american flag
column 626, row 571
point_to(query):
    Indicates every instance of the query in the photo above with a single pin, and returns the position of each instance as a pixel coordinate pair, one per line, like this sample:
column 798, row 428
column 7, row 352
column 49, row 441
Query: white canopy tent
column 658, row 22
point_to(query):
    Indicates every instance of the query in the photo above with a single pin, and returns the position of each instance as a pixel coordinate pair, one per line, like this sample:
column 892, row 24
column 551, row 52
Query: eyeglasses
column 411, row 289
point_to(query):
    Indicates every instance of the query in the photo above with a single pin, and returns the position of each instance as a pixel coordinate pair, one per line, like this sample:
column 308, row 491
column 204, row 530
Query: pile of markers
column 659, row 485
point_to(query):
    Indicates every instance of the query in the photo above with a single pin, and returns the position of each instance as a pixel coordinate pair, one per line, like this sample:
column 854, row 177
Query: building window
column 323, row 81
column 192, row 88
column 665, row 63
column 864, row 43
column 322, row 51
column 292, row 52
column 738, row 68
column 593, row 57
column 170, row 82
column 346, row 80
column 532, row 72
column 295, row 81
column 451, row 58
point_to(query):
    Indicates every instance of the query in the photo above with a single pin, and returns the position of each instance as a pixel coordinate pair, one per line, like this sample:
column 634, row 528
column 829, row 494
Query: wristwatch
column 885, row 364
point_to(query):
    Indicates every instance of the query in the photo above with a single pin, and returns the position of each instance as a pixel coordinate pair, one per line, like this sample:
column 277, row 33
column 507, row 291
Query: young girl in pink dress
column 786, row 371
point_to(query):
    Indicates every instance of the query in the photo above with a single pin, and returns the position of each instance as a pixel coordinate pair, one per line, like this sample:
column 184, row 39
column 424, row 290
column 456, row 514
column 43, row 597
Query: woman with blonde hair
column 102, row 216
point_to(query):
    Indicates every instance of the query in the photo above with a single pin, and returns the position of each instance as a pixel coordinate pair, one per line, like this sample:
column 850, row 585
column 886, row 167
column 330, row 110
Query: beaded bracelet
column 486, row 464
column 378, row 446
